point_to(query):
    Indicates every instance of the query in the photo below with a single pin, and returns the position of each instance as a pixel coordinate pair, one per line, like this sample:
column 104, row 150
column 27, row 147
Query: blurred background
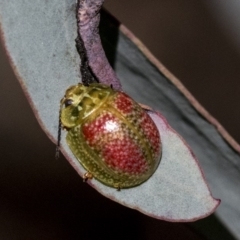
column 44, row 198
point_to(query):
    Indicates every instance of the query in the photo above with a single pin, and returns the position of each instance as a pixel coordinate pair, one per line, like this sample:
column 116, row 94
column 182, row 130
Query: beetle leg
column 118, row 186
column 87, row 176
column 145, row 107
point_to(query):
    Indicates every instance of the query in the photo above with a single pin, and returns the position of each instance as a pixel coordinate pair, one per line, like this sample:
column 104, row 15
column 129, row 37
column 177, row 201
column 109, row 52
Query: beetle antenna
column 57, row 153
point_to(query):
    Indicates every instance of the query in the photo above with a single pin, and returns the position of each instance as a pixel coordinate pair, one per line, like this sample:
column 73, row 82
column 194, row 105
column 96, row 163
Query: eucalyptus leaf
column 39, row 37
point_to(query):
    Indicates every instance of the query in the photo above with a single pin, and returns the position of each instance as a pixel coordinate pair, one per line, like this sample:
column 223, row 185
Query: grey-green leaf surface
column 39, row 37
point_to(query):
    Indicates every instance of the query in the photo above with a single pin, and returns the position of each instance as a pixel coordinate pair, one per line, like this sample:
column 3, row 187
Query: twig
column 88, row 18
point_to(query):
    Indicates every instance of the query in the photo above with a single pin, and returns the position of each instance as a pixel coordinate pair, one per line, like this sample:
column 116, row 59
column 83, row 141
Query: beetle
column 110, row 134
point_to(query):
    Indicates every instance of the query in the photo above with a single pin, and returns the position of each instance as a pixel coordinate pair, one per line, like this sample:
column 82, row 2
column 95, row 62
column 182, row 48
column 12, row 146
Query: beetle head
column 81, row 101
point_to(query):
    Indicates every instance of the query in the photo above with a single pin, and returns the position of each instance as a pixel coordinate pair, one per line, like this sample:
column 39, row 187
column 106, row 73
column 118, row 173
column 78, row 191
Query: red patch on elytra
column 93, row 129
column 150, row 131
column 124, row 155
column 120, row 153
column 124, row 103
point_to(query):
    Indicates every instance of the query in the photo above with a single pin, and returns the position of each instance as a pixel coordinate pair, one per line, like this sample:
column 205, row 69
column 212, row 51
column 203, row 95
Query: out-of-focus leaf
column 39, row 39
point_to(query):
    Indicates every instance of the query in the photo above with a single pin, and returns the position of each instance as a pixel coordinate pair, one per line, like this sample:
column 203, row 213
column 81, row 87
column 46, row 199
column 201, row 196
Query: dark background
column 44, row 198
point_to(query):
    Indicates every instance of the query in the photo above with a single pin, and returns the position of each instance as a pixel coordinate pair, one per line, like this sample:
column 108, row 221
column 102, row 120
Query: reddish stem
column 88, row 18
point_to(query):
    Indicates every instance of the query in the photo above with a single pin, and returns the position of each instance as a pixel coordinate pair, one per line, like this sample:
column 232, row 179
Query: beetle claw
column 118, row 187
column 87, row 176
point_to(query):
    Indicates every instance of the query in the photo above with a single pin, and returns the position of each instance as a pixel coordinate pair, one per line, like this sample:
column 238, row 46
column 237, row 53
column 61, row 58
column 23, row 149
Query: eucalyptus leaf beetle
column 110, row 134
